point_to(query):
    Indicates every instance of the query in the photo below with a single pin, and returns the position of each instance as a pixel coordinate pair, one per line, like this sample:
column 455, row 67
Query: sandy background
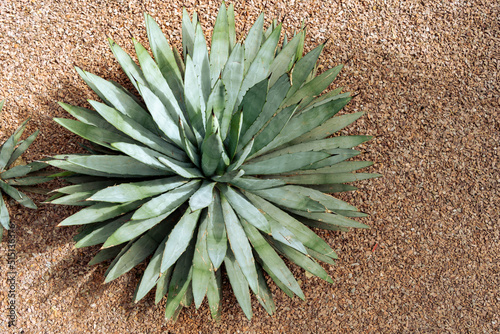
column 427, row 74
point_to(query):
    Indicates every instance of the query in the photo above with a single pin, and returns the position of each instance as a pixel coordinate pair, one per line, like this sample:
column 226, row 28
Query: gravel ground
column 427, row 74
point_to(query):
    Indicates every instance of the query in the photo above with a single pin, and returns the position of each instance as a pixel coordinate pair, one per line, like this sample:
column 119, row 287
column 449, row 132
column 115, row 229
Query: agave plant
column 225, row 161
column 15, row 176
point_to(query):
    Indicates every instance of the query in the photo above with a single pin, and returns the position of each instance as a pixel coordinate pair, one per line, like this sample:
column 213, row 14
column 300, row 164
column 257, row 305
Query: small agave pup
column 223, row 162
column 15, row 177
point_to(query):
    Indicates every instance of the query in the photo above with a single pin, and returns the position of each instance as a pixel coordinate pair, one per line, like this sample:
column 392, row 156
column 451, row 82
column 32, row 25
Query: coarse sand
column 427, row 77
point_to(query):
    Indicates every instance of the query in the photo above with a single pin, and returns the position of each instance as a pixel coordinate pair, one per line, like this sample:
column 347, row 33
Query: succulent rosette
column 16, row 176
column 226, row 160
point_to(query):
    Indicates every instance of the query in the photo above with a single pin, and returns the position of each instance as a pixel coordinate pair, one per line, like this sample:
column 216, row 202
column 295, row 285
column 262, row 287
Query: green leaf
column 245, row 209
column 178, row 60
column 328, row 128
column 337, row 155
column 6, row 151
column 212, row 149
column 68, row 166
column 139, row 251
column 303, row 261
column 28, row 181
column 231, row 26
column 134, row 228
column 252, row 103
column 321, row 225
column 130, row 68
column 274, row 98
column 17, row 171
column 146, row 156
column 259, row 69
column 241, row 157
column 4, row 213
column 283, row 235
column 311, row 102
column 18, row 196
column 305, row 122
column 189, row 148
column 265, row 139
column 251, row 183
column 22, row 148
column 341, row 167
column 180, row 168
column 89, row 186
column 232, row 77
column 158, row 85
column 123, row 103
column 186, row 300
column 303, row 68
column 284, row 163
column 202, row 65
column 216, row 232
column 287, row 196
column 317, row 145
column 187, row 34
column 214, row 294
column 151, row 273
column 167, row 201
column 216, row 101
column 111, row 164
column 279, row 65
column 270, row 29
column 326, row 178
column 127, row 192
column 327, row 97
column 219, row 49
column 99, row 212
column 123, row 250
column 201, row 264
column 314, row 87
column 166, row 122
column 19, row 131
column 264, row 295
column 74, row 199
column 92, row 86
column 272, row 260
column 130, row 127
column 164, row 57
column 234, row 133
column 330, row 218
column 92, row 133
column 276, row 280
column 194, row 104
column 239, row 244
column 179, row 239
column 228, row 176
column 239, row 283
column 321, row 257
column 109, row 253
column 180, row 281
column 203, row 197
column 333, row 188
column 94, row 234
column 330, row 202
column 162, row 284
column 253, row 41
column 303, row 234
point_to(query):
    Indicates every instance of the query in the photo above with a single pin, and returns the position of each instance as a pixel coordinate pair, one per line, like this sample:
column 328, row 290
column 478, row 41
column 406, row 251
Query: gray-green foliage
column 221, row 164
column 15, row 179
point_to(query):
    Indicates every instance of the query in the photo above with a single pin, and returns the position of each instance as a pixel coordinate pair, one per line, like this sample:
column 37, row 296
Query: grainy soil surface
column 427, row 76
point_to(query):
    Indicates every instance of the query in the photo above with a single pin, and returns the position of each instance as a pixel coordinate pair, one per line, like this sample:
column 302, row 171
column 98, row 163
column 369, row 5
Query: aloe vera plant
column 225, row 161
column 15, row 176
